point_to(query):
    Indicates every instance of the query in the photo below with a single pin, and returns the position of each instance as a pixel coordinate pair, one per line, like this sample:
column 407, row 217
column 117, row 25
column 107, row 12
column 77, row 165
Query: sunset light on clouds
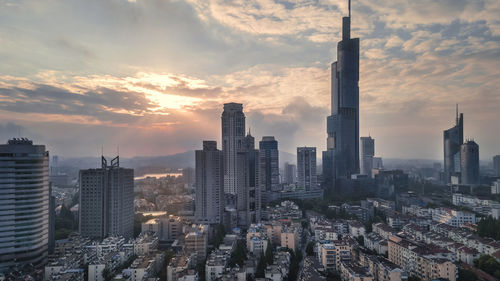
column 151, row 75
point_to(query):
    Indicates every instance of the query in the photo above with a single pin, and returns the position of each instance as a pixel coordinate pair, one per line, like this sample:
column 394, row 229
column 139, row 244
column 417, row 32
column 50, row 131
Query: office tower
column 269, row 168
column 367, row 153
column 306, row 167
column 209, row 201
column 341, row 160
column 290, row 173
column 54, row 164
column 233, row 136
column 496, row 165
column 453, row 138
column 469, row 162
column 107, row 201
column 248, row 198
column 24, row 204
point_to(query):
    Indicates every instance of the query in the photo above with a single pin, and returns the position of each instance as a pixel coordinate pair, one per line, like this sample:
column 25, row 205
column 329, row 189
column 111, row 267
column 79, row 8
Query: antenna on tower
column 457, row 114
column 349, row 4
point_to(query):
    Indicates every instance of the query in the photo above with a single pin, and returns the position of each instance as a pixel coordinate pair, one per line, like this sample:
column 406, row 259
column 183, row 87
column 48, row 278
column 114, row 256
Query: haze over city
column 151, row 76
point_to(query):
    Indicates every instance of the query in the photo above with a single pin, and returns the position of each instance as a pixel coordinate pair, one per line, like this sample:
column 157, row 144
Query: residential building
column 496, row 165
column 290, row 173
column 367, row 153
column 233, row 135
column 269, row 169
column 209, row 200
column 353, row 272
column 306, row 167
column 469, row 163
column 107, row 201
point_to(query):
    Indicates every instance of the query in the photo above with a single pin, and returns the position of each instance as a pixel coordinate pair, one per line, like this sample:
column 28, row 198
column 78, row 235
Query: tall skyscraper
column 306, row 167
column 269, row 168
column 209, row 201
column 248, row 198
column 289, row 173
column 453, row 138
column 24, row 204
column 107, row 201
column 341, row 160
column 233, row 135
column 367, row 153
column 469, row 162
column 496, row 165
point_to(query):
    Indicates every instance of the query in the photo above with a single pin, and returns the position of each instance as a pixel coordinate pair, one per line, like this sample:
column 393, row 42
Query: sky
column 151, row 76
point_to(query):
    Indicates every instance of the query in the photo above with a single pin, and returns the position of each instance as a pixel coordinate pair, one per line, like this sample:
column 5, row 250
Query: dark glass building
column 341, row 160
column 453, row 138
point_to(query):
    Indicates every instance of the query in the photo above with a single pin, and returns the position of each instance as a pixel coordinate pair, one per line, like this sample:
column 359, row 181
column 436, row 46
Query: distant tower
column 341, row 160
column 269, row 168
column 233, row 135
column 248, row 198
column 107, row 201
column 452, row 140
column 496, row 165
column 24, row 201
column 209, row 201
column 306, row 167
column 290, row 173
column 469, row 162
column 367, row 153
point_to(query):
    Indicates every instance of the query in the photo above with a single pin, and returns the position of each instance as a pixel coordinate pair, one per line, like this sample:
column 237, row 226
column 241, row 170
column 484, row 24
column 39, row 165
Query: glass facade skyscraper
column 24, row 204
column 341, row 160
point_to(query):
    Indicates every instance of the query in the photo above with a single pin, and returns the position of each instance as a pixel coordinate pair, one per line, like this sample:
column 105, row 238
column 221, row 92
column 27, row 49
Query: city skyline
column 68, row 91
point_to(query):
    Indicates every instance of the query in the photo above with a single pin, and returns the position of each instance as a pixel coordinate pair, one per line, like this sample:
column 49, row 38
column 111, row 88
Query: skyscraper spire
column 349, row 4
column 457, row 114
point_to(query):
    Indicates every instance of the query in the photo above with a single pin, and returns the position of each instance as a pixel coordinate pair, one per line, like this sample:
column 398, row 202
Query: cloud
column 157, row 85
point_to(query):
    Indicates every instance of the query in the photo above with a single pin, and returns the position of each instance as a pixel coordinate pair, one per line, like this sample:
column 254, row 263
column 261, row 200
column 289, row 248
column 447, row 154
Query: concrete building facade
column 209, row 200
column 107, row 201
column 306, row 167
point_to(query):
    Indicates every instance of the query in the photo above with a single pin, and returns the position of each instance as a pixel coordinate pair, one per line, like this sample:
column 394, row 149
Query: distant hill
column 179, row 160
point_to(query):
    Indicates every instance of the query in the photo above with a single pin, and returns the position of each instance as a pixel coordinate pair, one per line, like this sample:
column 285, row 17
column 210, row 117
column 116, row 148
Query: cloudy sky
column 150, row 76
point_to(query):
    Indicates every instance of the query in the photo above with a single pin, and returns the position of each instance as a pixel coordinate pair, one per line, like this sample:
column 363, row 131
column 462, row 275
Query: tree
column 269, row 253
column 219, row 235
column 466, row 275
column 239, row 255
column 489, row 227
column 310, row 249
column 489, row 265
column 260, row 272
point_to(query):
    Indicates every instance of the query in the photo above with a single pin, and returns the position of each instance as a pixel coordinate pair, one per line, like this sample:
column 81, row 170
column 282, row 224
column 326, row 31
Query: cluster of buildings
column 80, row 258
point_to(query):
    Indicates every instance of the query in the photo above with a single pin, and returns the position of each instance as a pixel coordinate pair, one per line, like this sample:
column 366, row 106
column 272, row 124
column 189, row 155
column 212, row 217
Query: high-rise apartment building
column 367, row 153
column 269, row 168
column 289, row 173
column 453, row 138
column 496, row 165
column 107, row 201
column 209, row 201
column 233, row 136
column 341, row 160
column 469, row 162
column 249, row 197
column 24, row 204
column 306, row 167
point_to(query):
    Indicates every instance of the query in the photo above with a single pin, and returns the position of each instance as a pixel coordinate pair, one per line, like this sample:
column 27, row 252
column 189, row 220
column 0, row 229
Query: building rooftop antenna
column 349, row 4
